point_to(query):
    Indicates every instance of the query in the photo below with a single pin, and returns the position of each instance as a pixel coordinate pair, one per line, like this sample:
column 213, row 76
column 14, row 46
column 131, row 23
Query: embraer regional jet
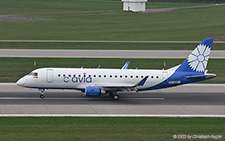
column 97, row 82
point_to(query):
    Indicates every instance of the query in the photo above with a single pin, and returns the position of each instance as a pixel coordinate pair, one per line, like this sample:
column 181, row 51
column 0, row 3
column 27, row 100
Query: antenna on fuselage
column 164, row 65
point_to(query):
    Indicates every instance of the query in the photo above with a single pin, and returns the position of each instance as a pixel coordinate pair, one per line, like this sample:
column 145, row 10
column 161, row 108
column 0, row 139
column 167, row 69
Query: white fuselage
column 77, row 78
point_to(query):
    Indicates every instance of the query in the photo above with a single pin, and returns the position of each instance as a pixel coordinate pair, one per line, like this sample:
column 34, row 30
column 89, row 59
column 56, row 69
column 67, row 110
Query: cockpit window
column 30, row 73
column 35, row 74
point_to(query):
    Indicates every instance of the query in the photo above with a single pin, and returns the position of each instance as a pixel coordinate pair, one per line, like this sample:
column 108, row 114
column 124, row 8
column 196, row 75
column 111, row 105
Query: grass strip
column 92, row 128
column 178, row 25
column 14, row 68
column 106, row 46
column 34, row 6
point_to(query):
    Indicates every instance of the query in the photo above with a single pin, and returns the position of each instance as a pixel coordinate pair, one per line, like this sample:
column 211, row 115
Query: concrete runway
column 159, row 10
column 193, row 99
column 103, row 53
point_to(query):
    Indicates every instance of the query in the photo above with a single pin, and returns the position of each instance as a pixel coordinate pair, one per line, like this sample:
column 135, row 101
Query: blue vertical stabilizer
column 198, row 59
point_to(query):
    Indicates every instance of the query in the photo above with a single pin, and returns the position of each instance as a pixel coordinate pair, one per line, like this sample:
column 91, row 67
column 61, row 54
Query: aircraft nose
column 20, row 82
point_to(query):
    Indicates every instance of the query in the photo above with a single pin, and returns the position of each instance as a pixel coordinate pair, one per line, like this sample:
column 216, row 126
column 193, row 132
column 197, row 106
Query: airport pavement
column 159, row 10
column 103, row 53
column 11, row 18
column 187, row 100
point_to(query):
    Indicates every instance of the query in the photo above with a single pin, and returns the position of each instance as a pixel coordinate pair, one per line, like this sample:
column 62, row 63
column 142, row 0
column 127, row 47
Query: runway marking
column 108, row 115
column 22, row 98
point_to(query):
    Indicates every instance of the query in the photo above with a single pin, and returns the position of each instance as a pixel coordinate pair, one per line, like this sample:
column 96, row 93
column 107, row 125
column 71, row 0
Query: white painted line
column 8, row 84
column 108, row 115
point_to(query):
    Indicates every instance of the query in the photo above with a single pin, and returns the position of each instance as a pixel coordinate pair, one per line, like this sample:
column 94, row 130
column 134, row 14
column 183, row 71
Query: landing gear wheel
column 116, row 97
column 42, row 96
column 42, row 93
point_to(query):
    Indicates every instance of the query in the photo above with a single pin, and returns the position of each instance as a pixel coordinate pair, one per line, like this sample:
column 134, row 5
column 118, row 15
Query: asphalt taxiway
column 193, row 99
column 48, row 53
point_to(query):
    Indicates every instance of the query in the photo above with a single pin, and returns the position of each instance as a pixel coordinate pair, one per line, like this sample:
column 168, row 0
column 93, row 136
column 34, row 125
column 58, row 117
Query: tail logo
column 198, row 59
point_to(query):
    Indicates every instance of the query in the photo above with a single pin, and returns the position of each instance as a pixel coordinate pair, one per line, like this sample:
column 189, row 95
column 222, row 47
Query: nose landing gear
column 42, row 95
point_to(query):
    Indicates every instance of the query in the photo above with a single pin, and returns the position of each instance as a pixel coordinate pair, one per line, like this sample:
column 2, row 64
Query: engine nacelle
column 92, row 91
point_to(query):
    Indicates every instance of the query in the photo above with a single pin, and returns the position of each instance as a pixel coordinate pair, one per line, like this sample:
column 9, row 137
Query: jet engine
column 92, row 91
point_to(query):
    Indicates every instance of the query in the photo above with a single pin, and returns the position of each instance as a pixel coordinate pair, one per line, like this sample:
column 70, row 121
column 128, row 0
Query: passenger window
column 115, row 76
column 69, row 75
column 121, row 76
column 79, row 75
column 94, row 75
column 58, row 75
column 141, row 76
column 84, row 75
column 110, row 76
column 89, row 76
column 152, row 77
column 131, row 76
column 64, row 75
column 104, row 75
column 136, row 76
column 157, row 76
column 99, row 76
column 125, row 76
column 74, row 75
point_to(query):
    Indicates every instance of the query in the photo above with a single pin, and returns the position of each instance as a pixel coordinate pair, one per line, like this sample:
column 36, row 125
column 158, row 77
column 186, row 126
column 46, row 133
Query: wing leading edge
column 121, row 86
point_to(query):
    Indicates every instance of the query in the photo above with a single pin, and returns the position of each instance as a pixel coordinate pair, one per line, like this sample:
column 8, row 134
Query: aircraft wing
column 121, row 86
column 126, row 65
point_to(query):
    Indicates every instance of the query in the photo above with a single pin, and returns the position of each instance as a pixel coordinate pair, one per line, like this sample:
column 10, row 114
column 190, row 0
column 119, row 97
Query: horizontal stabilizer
column 208, row 76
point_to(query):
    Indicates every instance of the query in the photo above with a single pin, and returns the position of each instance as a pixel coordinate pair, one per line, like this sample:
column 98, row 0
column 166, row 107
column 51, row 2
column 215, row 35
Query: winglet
column 142, row 82
column 126, row 65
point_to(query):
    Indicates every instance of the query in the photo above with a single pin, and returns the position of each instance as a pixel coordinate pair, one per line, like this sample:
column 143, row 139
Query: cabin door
column 49, row 75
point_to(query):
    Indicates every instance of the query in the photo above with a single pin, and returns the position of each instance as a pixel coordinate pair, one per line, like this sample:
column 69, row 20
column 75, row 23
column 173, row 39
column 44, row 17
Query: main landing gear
column 114, row 95
column 42, row 95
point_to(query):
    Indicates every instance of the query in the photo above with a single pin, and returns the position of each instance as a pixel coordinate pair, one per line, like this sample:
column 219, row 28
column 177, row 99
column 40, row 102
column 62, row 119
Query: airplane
column 95, row 82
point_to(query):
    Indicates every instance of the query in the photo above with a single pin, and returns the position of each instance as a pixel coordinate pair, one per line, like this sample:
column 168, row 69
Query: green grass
column 43, row 6
column 184, row 24
column 69, row 128
column 107, row 46
column 14, row 68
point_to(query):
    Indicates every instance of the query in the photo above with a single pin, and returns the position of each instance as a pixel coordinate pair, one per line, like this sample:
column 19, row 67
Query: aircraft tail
column 198, row 59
